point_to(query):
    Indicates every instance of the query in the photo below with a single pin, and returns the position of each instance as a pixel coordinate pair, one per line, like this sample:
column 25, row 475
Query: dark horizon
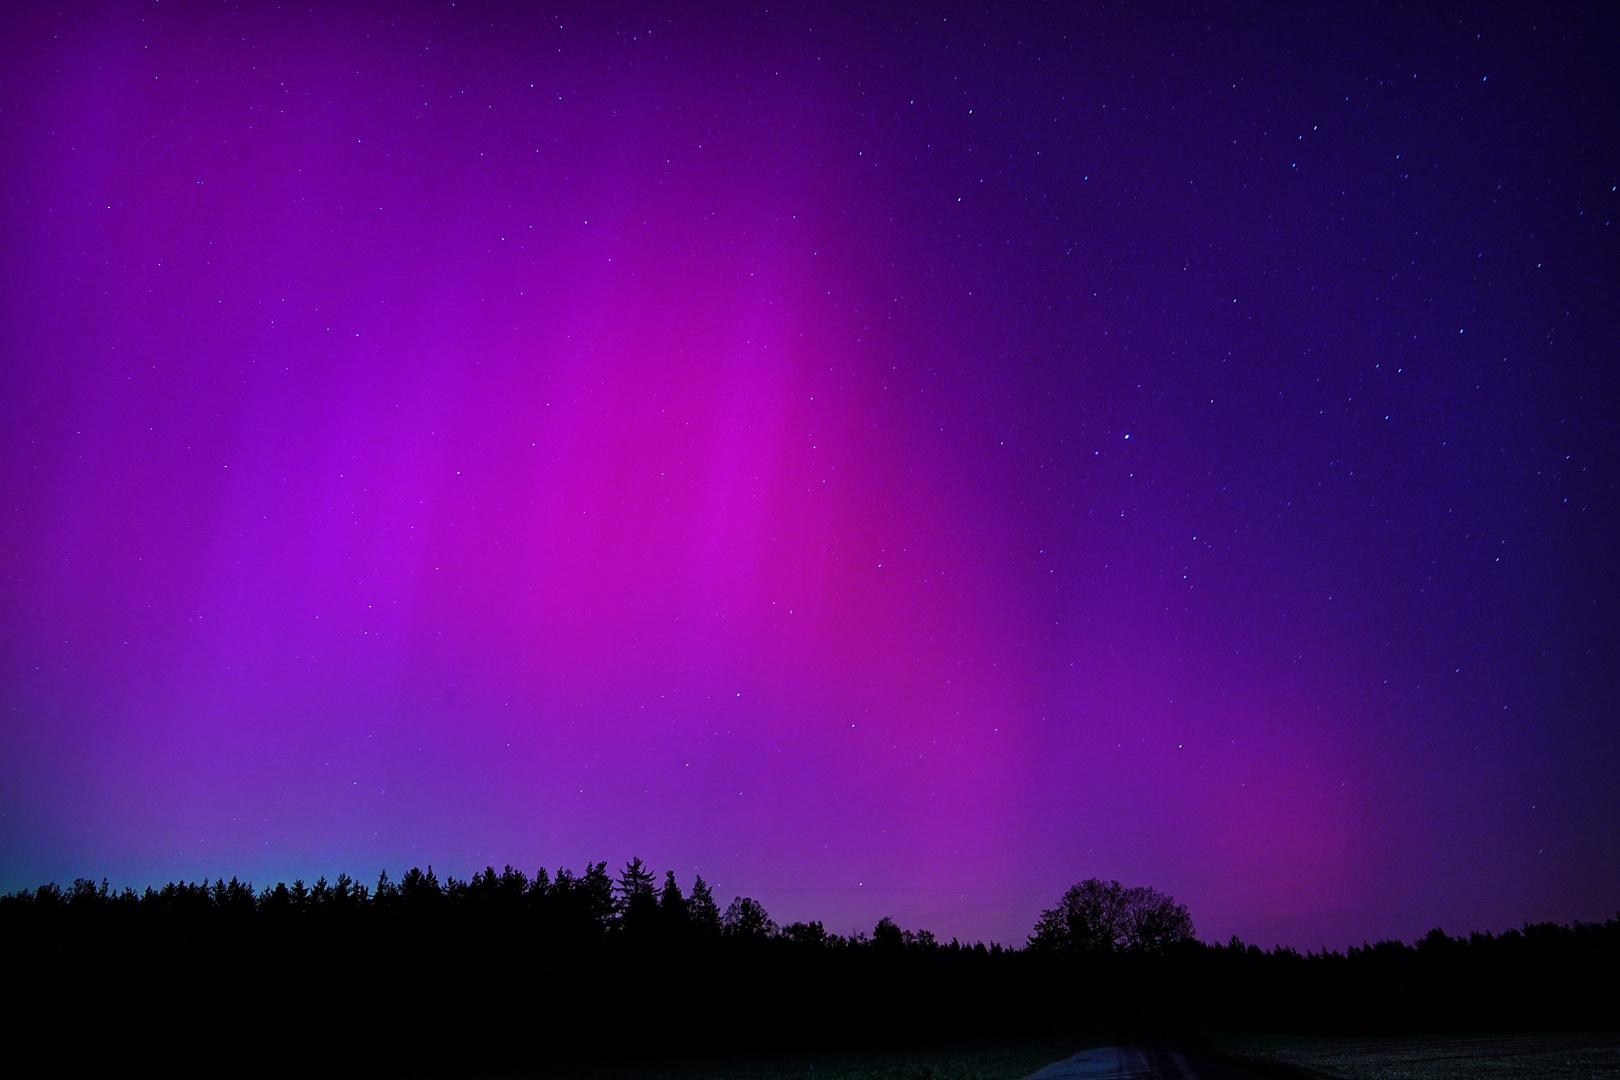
column 546, row 973
column 612, row 900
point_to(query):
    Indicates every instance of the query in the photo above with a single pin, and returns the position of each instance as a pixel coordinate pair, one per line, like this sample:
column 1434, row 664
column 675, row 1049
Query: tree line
column 1092, row 917
column 567, row 909
column 558, row 968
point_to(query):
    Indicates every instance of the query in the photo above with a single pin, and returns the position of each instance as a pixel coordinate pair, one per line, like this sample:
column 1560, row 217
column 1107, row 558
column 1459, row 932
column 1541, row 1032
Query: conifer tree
column 672, row 910
column 386, row 890
column 597, row 891
column 704, row 912
column 638, row 904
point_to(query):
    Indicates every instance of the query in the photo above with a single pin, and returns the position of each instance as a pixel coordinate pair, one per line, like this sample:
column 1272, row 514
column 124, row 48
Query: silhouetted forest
column 558, row 968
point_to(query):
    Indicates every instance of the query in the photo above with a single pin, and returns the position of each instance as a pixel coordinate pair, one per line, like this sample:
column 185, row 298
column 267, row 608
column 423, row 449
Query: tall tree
column 598, row 894
column 672, row 910
column 637, row 903
column 704, row 912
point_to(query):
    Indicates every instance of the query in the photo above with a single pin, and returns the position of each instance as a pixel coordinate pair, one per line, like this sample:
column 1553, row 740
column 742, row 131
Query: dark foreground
column 419, row 999
column 1246, row 1057
column 1141, row 1063
column 1466, row 1057
column 499, row 974
column 947, row 1063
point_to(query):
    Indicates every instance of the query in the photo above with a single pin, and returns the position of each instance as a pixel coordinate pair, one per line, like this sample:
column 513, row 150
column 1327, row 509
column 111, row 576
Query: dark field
column 957, row 1063
column 1505, row 1057
column 572, row 977
column 1487, row 1057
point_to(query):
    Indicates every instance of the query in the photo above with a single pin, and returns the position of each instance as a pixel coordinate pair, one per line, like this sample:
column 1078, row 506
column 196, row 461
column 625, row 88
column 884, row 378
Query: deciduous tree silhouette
column 811, row 934
column 887, row 935
column 746, row 920
column 1097, row 916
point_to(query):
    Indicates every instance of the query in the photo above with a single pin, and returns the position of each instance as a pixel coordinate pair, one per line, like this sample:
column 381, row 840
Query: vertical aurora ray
column 489, row 480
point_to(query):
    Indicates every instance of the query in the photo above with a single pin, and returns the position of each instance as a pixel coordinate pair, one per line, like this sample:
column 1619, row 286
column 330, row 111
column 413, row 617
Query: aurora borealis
column 890, row 464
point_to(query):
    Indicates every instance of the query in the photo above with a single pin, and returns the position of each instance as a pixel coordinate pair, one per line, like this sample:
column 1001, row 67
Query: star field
column 894, row 464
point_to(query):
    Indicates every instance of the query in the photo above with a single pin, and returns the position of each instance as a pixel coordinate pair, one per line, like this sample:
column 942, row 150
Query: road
column 1131, row 1063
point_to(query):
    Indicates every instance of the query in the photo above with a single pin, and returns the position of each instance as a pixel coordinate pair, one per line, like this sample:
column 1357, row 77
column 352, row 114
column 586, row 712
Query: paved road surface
column 1129, row 1063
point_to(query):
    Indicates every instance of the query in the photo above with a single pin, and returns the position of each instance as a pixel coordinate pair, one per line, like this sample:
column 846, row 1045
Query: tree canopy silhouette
column 703, row 912
column 1097, row 916
column 568, row 961
column 746, row 919
column 638, row 908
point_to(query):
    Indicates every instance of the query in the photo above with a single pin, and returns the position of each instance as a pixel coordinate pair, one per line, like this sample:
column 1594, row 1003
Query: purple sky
column 890, row 466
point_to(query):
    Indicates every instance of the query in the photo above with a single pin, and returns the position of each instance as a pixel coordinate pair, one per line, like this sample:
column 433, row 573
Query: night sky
column 896, row 464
